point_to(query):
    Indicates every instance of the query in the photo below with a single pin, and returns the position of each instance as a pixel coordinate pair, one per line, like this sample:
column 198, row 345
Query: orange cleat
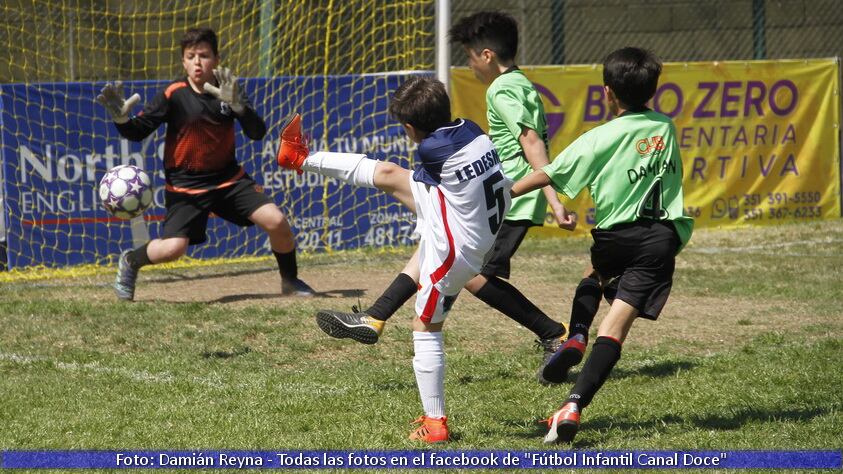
column 432, row 430
column 293, row 149
column 563, row 425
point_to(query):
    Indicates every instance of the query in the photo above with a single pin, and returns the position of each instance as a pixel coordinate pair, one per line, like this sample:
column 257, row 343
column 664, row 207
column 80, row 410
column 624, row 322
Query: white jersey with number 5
column 461, row 197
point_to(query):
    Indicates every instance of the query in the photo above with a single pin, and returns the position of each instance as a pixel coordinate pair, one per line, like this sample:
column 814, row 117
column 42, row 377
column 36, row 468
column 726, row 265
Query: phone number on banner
column 802, row 205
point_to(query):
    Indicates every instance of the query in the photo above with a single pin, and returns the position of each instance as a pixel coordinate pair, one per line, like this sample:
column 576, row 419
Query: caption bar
column 421, row 459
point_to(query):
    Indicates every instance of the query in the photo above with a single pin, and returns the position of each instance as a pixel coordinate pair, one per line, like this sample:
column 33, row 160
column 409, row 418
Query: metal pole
column 759, row 33
column 840, row 130
column 71, row 57
column 266, row 62
column 557, row 29
column 443, row 48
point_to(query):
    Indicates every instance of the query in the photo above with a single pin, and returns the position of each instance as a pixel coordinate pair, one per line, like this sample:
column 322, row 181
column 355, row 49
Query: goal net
column 335, row 62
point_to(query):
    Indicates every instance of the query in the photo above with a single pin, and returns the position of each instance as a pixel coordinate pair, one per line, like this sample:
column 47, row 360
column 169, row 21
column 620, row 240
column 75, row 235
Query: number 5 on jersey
column 495, row 200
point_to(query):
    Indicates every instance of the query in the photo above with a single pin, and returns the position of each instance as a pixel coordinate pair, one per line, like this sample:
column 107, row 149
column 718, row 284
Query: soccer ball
column 126, row 191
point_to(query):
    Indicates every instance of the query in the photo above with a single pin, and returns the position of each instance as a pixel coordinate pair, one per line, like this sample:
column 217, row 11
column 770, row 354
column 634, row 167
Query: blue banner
column 423, row 459
column 57, row 143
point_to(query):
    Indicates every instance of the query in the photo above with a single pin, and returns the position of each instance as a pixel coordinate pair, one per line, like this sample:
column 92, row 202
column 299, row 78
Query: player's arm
column 536, row 180
column 228, row 90
column 535, row 153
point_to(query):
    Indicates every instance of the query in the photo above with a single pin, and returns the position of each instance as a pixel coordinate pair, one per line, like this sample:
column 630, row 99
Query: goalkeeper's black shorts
column 187, row 214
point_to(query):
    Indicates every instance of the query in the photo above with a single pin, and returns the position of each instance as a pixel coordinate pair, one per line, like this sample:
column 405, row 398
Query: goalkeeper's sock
column 584, row 307
column 429, row 366
column 505, row 298
column 352, row 168
column 138, row 257
column 604, row 355
column 396, row 294
column 287, row 265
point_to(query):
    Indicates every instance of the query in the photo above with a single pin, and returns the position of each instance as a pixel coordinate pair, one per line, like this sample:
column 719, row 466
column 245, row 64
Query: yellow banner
column 759, row 139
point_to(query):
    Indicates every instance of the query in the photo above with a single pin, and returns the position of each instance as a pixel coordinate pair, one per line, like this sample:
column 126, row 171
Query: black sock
column 138, row 257
column 604, row 354
column 287, row 265
column 584, row 307
column 505, row 298
column 396, row 294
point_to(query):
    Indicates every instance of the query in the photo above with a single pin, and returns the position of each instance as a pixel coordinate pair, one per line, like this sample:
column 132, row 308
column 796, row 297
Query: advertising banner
column 57, row 143
column 759, row 139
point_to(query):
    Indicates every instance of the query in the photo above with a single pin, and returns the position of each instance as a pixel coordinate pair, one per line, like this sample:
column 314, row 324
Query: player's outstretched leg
column 367, row 326
column 357, row 326
column 127, row 275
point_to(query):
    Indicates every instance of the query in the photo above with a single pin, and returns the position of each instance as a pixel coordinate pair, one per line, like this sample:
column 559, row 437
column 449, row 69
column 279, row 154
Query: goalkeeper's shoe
column 569, row 354
column 293, row 150
column 563, row 425
column 124, row 284
column 358, row 326
column 432, row 430
column 296, row 288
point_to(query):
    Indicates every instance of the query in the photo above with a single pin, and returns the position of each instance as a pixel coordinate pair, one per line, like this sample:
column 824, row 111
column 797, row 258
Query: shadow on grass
column 341, row 293
column 722, row 422
column 225, row 354
column 659, row 369
column 346, row 293
column 172, row 277
column 669, row 368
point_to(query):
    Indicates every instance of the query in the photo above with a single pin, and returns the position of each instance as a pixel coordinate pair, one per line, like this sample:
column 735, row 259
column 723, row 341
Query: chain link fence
column 585, row 31
column 68, row 40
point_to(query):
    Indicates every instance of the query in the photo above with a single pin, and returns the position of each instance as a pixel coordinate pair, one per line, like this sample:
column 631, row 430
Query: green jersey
column 514, row 104
column 632, row 168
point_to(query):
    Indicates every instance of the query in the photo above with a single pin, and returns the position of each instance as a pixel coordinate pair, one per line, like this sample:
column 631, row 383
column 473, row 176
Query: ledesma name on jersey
column 478, row 167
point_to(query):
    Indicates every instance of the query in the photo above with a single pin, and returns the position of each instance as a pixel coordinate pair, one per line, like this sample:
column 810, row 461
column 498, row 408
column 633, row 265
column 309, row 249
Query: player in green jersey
column 632, row 168
column 518, row 128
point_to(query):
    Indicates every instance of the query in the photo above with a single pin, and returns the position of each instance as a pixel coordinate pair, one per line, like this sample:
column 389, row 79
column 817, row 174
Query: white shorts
column 447, row 261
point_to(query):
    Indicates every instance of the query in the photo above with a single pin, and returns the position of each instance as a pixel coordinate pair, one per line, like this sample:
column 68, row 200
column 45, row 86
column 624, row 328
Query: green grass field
column 747, row 355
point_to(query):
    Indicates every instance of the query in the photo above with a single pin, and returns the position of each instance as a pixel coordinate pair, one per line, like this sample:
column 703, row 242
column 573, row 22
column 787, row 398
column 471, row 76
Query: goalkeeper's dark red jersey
column 199, row 147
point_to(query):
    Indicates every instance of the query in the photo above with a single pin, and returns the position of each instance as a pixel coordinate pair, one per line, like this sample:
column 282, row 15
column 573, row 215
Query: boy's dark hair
column 488, row 30
column 194, row 36
column 633, row 75
column 421, row 102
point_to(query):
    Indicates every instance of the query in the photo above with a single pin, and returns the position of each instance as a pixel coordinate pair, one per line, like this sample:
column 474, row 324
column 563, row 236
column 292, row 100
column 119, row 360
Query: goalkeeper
column 200, row 168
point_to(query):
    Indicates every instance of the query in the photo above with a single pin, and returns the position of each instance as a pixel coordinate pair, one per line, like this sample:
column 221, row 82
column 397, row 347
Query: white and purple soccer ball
column 126, row 191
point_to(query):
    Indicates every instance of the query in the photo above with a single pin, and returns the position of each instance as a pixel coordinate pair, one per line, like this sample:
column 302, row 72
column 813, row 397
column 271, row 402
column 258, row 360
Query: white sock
column 352, row 168
column 429, row 365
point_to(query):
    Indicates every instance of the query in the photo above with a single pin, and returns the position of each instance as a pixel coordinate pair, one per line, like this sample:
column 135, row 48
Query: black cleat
column 358, row 326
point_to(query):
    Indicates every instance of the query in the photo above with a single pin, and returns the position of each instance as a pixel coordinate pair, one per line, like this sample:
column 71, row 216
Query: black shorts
column 187, row 214
column 509, row 238
column 642, row 256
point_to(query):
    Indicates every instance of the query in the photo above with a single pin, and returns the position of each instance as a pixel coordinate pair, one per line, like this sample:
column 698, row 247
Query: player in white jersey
column 456, row 232
column 460, row 195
